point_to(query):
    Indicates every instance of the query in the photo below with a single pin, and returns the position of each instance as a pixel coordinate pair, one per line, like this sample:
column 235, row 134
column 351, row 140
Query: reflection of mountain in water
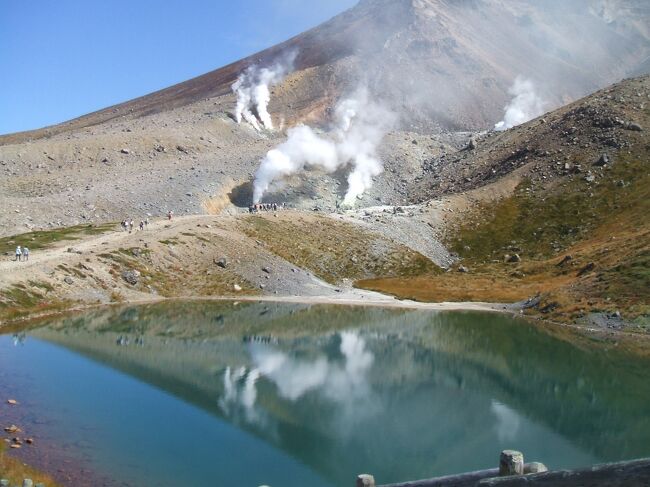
column 402, row 395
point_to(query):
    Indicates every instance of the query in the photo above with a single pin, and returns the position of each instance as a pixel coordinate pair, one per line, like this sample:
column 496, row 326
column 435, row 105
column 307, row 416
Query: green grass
column 19, row 301
column 542, row 224
column 43, row 239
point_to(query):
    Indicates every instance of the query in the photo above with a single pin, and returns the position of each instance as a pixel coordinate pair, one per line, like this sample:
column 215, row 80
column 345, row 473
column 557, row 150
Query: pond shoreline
column 637, row 343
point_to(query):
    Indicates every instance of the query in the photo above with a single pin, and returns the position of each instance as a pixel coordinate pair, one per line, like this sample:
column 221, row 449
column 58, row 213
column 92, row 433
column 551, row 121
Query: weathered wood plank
column 461, row 480
column 635, row 473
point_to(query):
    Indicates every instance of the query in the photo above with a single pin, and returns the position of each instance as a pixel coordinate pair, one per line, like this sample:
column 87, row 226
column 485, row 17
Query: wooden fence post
column 365, row 480
column 511, row 463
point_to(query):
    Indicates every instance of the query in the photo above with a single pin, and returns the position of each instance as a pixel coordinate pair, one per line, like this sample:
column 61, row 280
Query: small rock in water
column 13, row 402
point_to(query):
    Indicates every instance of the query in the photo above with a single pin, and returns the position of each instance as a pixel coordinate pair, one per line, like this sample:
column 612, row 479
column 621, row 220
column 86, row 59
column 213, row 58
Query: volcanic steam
column 253, row 90
column 525, row 105
column 360, row 125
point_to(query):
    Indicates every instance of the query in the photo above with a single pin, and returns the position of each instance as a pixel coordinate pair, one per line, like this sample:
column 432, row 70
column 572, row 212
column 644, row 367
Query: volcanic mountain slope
column 562, row 211
column 445, row 63
column 438, row 64
column 556, row 207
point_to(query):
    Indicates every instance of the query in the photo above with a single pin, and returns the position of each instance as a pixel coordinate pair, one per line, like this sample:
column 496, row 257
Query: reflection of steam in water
column 343, row 383
column 508, row 421
column 19, row 339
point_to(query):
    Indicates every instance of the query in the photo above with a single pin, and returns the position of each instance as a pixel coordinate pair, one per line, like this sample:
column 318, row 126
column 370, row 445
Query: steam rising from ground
column 360, row 125
column 525, row 105
column 253, row 90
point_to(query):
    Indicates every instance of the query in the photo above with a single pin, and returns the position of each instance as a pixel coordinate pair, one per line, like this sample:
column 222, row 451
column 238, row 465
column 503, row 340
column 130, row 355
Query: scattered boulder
column 602, row 161
column 68, row 280
column 512, row 259
column 74, row 250
column 549, row 307
column 223, row 263
column 471, row 145
column 266, row 269
column 532, row 302
column 635, row 127
column 237, row 287
column 125, row 151
column 586, row 269
column 463, row 269
column 564, row 261
column 131, row 276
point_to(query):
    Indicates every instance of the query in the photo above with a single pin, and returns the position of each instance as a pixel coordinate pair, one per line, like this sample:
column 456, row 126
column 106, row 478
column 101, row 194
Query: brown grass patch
column 16, row 471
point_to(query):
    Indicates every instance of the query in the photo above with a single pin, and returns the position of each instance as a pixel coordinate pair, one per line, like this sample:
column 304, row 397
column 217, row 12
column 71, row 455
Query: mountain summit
column 445, row 63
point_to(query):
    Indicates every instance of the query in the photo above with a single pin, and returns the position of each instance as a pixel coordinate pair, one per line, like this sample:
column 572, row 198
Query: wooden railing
column 512, row 472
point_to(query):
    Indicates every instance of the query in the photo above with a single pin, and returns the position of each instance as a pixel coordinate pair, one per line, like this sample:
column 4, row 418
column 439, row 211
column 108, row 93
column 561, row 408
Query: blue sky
column 64, row 58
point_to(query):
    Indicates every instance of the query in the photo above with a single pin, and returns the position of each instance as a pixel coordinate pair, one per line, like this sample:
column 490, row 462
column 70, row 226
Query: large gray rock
column 635, row 127
column 602, row 161
column 131, row 276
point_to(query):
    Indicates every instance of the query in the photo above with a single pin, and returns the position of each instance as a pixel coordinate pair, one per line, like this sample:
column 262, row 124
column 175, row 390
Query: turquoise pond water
column 225, row 394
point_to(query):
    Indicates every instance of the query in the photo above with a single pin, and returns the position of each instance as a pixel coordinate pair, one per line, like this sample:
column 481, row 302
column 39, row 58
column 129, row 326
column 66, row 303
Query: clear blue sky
column 63, row 58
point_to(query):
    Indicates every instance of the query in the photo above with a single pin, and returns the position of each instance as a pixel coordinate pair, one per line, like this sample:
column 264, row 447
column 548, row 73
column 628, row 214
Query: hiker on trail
column 275, row 207
column 25, row 254
column 19, row 253
column 146, row 222
column 170, row 215
column 141, row 225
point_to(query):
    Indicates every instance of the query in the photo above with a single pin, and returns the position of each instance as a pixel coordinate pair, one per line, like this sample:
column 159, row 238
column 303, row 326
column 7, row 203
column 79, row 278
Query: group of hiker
column 264, row 207
column 127, row 225
column 22, row 254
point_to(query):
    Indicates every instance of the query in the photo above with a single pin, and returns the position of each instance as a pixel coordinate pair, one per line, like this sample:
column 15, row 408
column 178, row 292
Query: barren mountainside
column 438, row 63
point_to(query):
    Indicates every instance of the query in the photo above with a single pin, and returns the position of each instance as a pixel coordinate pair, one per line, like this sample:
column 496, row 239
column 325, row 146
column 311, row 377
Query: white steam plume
column 525, row 105
column 360, row 126
column 253, row 90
